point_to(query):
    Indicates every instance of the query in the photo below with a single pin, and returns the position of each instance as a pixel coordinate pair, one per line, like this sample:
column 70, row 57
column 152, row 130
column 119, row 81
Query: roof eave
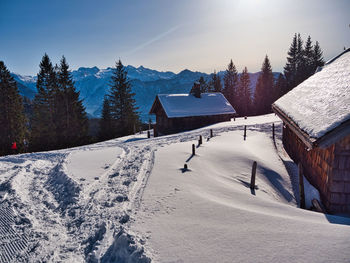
column 303, row 136
column 153, row 105
column 201, row 115
column 334, row 135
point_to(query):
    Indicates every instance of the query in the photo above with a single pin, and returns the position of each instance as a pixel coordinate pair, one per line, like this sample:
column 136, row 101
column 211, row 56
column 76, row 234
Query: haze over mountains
column 93, row 84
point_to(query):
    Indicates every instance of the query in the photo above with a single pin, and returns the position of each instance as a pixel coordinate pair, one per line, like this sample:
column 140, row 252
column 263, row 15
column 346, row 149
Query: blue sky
column 165, row 35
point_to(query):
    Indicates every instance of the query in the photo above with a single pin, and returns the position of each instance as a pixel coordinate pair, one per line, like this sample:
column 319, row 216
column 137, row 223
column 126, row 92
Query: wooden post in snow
column 252, row 180
column 200, row 140
column 245, row 131
column 148, row 134
column 273, row 131
column 234, row 118
column 301, row 186
column 193, row 149
column 211, row 133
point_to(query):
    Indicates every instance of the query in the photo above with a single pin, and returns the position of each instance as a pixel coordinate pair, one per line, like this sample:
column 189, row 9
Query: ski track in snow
column 45, row 215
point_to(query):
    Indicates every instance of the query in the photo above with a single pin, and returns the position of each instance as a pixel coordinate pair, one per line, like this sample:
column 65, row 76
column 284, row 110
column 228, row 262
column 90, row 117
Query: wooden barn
column 182, row 112
column 316, row 132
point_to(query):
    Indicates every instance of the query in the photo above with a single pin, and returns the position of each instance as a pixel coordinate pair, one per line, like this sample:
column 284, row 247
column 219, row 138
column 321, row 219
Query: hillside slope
column 127, row 199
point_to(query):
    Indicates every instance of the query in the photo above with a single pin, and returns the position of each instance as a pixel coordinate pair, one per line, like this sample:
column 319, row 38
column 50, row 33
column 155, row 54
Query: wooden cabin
column 182, row 112
column 316, row 132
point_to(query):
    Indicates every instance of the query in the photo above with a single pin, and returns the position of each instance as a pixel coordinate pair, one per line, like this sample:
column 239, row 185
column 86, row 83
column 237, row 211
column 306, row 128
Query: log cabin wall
column 167, row 125
column 327, row 169
column 340, row 184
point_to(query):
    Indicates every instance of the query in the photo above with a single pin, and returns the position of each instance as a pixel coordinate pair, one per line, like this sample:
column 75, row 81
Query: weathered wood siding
column 340, row 183
column 167, row 125
column 327, row 169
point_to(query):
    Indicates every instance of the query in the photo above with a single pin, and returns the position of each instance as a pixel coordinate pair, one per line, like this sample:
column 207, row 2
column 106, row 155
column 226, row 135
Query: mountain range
column 93, row 83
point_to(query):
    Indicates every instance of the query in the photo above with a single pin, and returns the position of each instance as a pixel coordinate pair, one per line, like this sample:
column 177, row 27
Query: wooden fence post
column 200, row 140
column 211, row 133
column 301, row 186
column 193, row 149
column 273, row 131
column 245, row 131
column 252, row 180
column 234, row 118
column 148, row 134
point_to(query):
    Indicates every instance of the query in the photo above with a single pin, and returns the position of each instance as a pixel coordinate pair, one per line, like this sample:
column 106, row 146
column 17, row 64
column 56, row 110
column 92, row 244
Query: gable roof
column 186, row 105
column 319, row 108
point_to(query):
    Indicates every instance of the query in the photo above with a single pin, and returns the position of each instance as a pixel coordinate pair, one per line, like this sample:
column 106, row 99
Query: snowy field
column 129, row 200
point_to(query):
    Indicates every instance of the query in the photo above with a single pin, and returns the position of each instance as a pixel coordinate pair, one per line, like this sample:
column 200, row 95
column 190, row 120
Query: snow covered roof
column 320, row 104
column 186, row 105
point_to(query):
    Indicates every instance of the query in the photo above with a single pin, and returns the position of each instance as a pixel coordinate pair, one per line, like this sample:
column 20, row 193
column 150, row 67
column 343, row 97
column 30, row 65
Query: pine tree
column 264, row 94
column 230, row 83
column 301, row 63
column 308, row 58
column 122, row 102
column 215, row 83
column 72, row 119
column 317, row 56
column 107, row 129
column 43, row 133
column 243, row 100
column 280, row 87
column 290, row 69
column 12, row 120
column 196, row 90
column 28, row 108
column 203, row 84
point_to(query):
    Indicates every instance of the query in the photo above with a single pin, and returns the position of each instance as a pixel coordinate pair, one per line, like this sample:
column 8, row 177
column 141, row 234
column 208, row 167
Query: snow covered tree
column 122, row 103
column 43, row 128
column 230, row 83
column 264, row 93
column 243, row 99
column 72, row 120
column 215, row 83
column 12, row 120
